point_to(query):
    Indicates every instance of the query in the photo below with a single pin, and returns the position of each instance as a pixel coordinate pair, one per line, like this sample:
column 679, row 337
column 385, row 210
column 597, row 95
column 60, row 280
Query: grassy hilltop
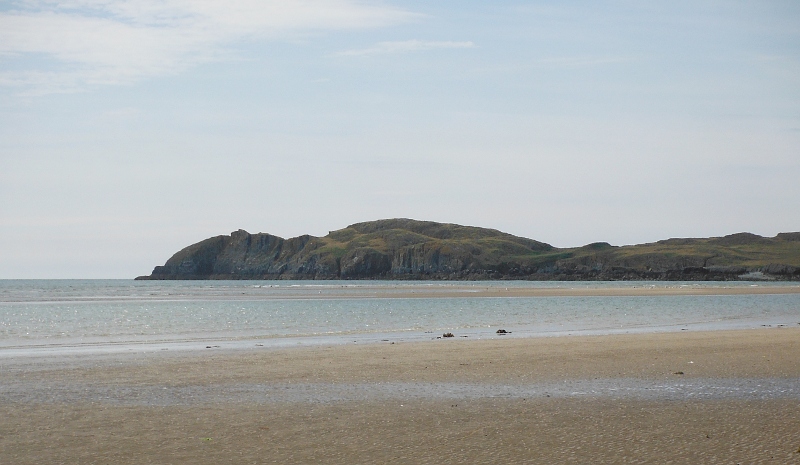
column 410, row 249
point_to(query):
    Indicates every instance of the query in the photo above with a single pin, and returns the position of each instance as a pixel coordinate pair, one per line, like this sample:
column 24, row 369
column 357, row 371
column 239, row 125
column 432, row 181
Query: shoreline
column 245, row 343
column 734, row 353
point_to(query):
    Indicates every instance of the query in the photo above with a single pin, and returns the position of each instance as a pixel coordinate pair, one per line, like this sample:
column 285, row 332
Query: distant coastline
column 404, row 249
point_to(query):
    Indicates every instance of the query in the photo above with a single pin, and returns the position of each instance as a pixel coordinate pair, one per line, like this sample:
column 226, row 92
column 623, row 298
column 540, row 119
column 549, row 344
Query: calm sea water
column 38, row 316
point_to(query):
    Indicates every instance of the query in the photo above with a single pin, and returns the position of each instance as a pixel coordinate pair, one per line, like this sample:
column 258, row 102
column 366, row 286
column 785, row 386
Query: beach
column 685, row 396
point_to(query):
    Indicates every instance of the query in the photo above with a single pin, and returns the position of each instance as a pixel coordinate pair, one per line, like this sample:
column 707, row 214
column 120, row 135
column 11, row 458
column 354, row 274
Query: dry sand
column 685, row 397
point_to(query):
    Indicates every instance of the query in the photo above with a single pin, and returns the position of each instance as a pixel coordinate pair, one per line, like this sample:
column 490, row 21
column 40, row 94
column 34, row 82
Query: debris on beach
column 448, row 335
column 502, row 331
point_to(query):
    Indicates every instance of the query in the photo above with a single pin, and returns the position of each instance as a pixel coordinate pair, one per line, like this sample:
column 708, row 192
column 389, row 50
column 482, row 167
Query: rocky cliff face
column 409, row 249
column 248, row 256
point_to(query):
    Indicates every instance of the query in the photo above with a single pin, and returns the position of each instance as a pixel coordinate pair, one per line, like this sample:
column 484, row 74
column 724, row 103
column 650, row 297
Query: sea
column 51, row 317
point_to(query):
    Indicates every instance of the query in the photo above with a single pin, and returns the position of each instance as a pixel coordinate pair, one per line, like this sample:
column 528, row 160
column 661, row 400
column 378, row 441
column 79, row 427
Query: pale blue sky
column 130, row 129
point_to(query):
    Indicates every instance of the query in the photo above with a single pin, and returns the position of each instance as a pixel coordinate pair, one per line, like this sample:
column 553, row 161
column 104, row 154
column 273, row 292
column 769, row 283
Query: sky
column 130, row 129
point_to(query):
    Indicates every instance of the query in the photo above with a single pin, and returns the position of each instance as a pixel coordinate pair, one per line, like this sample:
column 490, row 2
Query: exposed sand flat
column 410, row 290
column 428, row 292
column 655, row 289
column 761, row 353
column 444, row 401
column 484, row 431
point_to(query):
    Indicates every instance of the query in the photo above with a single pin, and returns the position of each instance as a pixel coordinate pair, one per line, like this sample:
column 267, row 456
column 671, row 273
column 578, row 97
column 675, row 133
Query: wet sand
column 683, row 397
column 426, row 290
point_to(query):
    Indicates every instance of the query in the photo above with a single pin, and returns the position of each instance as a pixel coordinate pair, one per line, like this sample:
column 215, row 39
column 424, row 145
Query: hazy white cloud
column 405, row 46
column 80, row 42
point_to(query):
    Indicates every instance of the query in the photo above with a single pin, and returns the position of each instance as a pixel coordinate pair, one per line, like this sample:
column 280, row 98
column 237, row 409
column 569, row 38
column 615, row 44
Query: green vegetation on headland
column 410, row 249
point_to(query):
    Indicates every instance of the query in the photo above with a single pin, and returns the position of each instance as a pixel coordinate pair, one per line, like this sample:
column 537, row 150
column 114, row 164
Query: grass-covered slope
column 410, row 249
column 737, row 256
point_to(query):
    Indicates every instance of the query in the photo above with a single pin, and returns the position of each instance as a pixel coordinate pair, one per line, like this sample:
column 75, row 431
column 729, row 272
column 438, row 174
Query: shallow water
column 38, row 316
